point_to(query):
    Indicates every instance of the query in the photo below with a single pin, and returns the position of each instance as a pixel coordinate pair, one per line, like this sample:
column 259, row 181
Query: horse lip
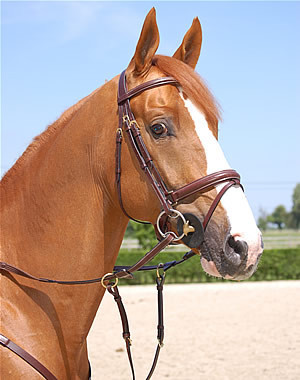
column 210, row 267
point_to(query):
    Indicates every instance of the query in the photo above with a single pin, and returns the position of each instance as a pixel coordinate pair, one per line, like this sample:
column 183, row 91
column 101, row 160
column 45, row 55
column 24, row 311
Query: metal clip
column 158, row 275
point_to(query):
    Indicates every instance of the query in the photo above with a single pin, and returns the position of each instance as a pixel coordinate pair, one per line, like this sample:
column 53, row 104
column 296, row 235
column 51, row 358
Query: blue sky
column 54, row 53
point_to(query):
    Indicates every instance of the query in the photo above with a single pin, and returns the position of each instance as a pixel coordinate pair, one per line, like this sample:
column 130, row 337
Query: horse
column 64, row 216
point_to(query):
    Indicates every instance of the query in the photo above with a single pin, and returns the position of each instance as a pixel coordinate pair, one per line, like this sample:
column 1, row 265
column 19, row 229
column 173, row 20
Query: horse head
column 179, row 126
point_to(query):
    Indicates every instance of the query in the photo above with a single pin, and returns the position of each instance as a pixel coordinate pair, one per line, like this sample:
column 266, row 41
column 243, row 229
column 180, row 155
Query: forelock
column 192, row 85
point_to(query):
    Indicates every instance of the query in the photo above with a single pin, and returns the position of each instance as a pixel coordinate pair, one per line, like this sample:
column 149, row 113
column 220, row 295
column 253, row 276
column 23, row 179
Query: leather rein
column 168, row 200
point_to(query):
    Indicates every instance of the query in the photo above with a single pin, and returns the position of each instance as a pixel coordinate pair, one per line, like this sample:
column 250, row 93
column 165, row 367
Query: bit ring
column 178, row 214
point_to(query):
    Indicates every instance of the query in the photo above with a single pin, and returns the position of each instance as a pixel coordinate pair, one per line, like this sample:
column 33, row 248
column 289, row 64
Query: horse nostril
column 239, row 246
column 235, row 250
column 261, row 242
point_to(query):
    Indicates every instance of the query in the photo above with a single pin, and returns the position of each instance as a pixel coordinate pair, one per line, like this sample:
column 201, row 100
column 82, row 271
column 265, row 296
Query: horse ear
column 189, row 50
column 147, row 44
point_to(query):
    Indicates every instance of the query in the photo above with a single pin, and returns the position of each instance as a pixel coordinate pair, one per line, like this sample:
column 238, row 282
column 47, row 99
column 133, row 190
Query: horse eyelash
column 170, row 129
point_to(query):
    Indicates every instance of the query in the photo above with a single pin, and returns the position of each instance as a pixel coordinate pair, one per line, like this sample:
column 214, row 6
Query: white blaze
column 241, row 219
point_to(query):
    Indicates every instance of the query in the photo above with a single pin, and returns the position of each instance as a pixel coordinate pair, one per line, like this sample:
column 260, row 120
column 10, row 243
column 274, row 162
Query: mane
column 44, row 137
column 192, row 85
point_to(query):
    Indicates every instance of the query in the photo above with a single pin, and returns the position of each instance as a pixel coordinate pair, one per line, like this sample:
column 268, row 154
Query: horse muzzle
column 236, row 260
column 228, row 257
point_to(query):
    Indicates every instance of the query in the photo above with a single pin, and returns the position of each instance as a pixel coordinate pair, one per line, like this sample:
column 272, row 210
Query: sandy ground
column 240, row 331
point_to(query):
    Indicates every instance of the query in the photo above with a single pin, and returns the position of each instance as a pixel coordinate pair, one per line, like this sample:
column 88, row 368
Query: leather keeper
column 124, row 274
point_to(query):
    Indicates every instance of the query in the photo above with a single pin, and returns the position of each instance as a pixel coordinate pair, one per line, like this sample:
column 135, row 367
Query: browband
column 123, row 94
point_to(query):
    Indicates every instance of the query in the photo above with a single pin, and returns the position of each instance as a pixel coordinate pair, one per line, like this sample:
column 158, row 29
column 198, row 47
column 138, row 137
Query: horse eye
column 159, row 130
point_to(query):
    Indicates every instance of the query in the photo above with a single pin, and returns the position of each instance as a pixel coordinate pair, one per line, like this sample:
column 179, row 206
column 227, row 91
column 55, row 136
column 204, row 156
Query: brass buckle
column 126, row 119
column 120, row 131
column 130, row 122
column 103, row 279
column 129, row 341
column 134, row 122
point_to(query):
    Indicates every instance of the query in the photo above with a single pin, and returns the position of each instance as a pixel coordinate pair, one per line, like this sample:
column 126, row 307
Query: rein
column 168, row 200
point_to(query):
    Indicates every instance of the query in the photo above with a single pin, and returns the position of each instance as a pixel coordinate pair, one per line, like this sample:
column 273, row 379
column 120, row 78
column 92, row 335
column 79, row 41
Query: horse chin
column 209, row 267
column 214, row 269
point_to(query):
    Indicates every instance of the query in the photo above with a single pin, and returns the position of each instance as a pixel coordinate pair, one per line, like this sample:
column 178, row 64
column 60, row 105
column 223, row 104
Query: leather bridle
column 168, row 201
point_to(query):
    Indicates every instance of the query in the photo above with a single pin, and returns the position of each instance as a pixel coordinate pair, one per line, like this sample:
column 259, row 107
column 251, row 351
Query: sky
column 53, row 53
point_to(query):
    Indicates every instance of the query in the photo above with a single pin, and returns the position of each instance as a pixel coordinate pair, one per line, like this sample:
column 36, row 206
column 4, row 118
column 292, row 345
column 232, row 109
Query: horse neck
column 61, row 218
column 65, row 190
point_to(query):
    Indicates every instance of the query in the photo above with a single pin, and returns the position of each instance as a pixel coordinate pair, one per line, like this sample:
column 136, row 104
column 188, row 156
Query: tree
column 296, row 207
column 262, row 219
column 145, row 234
column 129, row 233
column 279, row 216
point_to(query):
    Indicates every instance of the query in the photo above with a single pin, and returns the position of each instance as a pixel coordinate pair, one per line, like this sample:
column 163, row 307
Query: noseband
column 168, row 198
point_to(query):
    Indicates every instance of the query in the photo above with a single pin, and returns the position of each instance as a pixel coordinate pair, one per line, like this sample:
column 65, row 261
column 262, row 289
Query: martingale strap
column 37, row 365
column 113, row 290
column 119, row 272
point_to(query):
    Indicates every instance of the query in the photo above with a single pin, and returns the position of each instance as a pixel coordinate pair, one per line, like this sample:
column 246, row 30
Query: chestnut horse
column 61, row 217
